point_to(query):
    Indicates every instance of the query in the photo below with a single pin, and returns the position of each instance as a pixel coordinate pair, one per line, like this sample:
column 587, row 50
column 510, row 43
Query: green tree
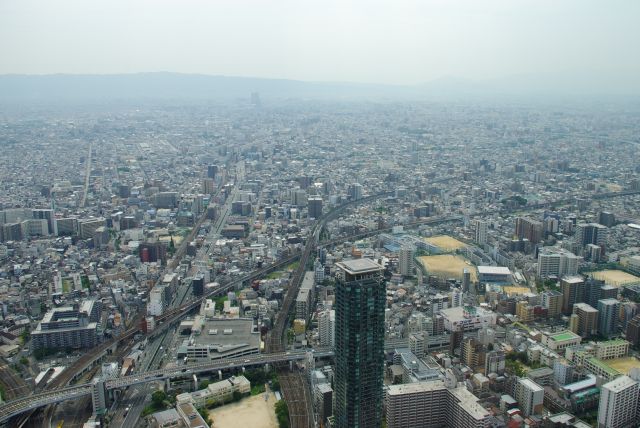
column 282, row 414
column 158, row 398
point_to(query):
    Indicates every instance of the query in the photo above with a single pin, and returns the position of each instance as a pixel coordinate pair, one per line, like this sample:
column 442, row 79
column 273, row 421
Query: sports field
column 624, row 365
column 448, row 266
column 445, row 243
column 615, row 277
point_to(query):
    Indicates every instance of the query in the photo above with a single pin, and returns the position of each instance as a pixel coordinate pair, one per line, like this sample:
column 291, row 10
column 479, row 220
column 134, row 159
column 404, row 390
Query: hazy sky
column 394, row 41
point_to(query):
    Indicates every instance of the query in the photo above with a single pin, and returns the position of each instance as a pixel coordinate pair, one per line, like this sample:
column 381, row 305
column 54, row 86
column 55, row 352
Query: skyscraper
column 315, row 207
column 618, row 403
column 359, row 344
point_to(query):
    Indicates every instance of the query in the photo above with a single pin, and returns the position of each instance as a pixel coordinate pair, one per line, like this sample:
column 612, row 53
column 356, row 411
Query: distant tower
column 359, row 344
column 255, row 99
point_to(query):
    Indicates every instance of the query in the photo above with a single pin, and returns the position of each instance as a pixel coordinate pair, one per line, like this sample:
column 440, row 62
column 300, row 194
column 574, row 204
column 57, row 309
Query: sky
column 393, row 42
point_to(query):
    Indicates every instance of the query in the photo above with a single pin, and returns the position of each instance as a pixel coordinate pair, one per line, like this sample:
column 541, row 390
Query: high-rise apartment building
column 557, row 263
column 530, row 396
column 608, row 313
column 632, row 333
column 618, row 403
column 552, row 301
column 431, row 404
column 480, row 232
column 587, row 323
column 405, row 261
column 530, row 229
column 327, row 328
column 572, row 288
column 359, row 344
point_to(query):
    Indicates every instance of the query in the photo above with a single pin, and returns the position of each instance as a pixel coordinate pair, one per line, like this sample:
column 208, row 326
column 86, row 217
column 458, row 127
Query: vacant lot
column 445, row 243
column 615, row 277
column 252, row 412
column 448, row 266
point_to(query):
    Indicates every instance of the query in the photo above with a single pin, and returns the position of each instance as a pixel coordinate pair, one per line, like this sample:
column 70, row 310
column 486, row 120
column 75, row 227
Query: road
column 87, row 177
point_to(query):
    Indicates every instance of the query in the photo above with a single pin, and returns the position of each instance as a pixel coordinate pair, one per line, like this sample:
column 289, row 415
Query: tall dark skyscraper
column 359, row 344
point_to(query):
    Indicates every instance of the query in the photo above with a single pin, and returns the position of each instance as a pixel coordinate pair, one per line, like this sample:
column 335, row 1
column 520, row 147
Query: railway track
column 296, row 395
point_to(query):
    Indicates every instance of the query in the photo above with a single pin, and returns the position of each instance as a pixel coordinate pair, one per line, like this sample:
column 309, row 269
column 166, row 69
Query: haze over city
column 297, row 214
column 566, row 46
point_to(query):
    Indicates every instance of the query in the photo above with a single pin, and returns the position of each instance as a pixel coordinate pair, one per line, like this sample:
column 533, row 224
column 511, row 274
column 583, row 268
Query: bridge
column 12, row 408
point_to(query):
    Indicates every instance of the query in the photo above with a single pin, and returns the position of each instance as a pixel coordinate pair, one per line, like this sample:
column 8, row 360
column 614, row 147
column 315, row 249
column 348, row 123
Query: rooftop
column 564, row 336
column 494, row 270
column 620, row 384
column 359, row 266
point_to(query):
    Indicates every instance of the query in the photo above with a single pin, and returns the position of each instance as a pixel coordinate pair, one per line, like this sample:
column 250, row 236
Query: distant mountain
column 176, row 86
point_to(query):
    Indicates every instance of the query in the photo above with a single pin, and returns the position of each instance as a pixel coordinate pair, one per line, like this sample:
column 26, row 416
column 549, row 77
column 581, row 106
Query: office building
column 354, row 191
column 572, row 288
column 208, row 186
column 153, row 252
column 323, row 401
column 618, row 406
column 530, row 396
column 86, row 228
column 587, row 320
column 359, row 344
column 591, row 233
column 480, row 232
column 212, row 171
column 405, row 261
column 557, row 263
column 314, row 204
column 608, row 313
column 607, row 218
column 48, row 215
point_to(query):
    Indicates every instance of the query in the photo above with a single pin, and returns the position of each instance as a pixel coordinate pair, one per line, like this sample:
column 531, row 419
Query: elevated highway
column 14, row 407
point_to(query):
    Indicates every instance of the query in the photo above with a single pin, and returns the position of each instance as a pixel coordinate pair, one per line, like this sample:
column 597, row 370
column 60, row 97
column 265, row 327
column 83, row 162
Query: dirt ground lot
column 615, row 277
column 448, row 266
column 445, row 242
column 516, row 290
column 624, row 365
column 252, row 412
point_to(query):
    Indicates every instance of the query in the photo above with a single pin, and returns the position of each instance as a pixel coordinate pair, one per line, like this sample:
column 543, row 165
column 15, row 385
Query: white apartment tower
column 618, row 403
